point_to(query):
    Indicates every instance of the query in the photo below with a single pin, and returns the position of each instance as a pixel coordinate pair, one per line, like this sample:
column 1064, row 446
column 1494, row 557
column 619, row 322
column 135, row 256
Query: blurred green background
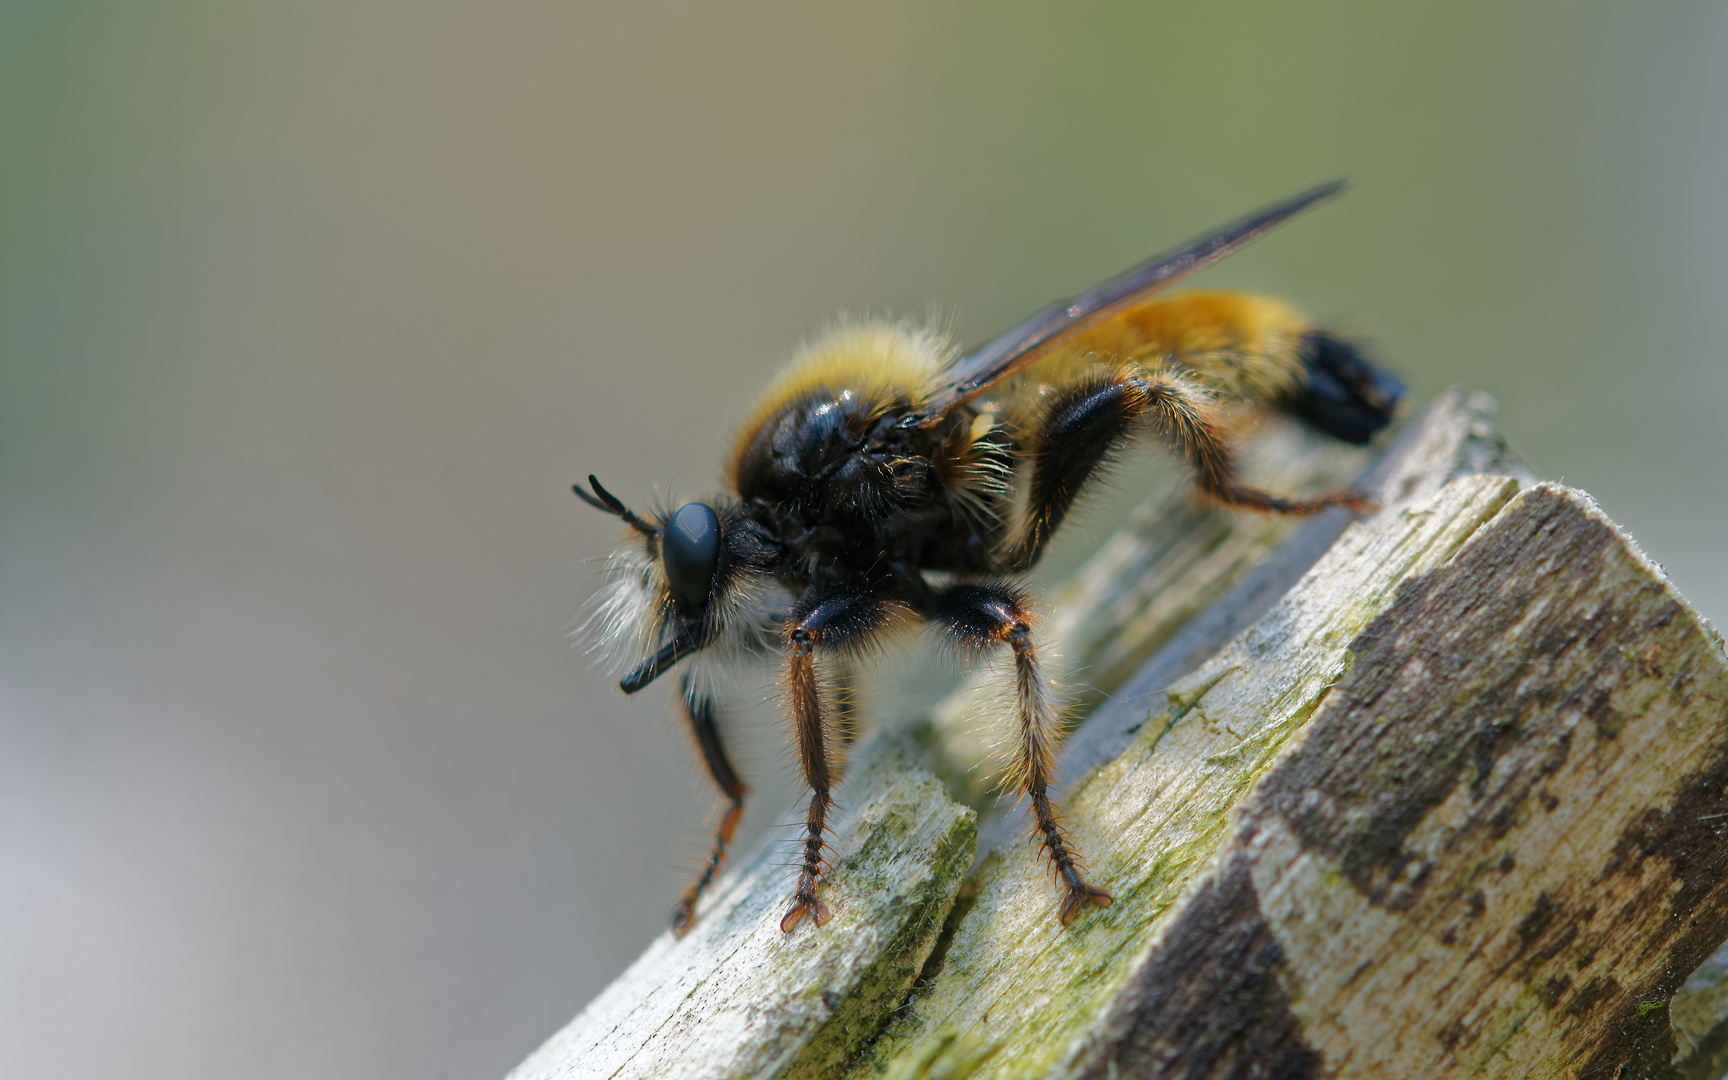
column 310, row 312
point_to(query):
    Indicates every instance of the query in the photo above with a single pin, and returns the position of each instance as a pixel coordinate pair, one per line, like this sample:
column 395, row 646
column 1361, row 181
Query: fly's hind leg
column 982, row 616
column 699, row 711
column 822, row 619
column 1256, row 348
column 1186, row 416
column 1085, row 424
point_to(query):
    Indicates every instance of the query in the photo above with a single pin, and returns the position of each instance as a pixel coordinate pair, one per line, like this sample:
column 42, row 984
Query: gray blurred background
column 310, row 312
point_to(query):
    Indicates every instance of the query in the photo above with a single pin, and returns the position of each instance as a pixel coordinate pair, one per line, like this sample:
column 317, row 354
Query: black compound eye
column 690, row 550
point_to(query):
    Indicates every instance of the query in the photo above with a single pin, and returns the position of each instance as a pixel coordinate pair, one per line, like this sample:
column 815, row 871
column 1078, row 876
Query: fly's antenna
column 608, row 503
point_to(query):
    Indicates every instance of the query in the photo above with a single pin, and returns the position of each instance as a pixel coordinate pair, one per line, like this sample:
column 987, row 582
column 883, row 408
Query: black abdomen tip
column 1343, row 394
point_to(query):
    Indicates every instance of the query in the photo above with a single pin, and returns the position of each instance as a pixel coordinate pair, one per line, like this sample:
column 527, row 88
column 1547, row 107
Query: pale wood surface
column 1432, row 793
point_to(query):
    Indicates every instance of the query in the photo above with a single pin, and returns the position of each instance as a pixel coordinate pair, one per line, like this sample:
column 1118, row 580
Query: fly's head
column 683, row 581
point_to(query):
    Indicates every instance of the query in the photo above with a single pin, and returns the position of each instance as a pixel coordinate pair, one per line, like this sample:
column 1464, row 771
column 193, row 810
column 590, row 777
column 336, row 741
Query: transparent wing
column 1012, row 352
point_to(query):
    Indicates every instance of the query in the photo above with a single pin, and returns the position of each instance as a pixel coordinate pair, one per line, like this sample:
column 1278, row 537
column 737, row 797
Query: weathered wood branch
column 1439, row 792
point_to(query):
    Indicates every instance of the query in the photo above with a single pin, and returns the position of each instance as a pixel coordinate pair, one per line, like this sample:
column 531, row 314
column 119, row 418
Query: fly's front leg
column 982, row 616
column 821, row 620
column 699, row 711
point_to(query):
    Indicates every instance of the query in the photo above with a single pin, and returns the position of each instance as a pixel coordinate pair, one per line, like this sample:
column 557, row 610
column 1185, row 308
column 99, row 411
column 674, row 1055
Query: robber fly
column 885, row 478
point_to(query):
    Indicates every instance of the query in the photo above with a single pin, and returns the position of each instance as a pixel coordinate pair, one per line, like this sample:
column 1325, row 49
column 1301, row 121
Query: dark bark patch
column 1688, row 839
column 1443, row 687
column 1608, row 720
column 1560, row 944
column 1688, row 836
column 1209, row 1003
column 1502, row 821
column 1531, row 926
column 1450, row 1034
column 1595, row 992
column 1555, row 989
